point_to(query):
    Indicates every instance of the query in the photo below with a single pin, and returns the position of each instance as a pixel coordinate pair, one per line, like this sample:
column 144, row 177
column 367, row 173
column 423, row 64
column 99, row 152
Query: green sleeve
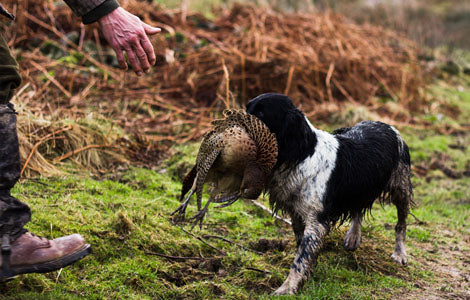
column 9, row 77
column 92, row 10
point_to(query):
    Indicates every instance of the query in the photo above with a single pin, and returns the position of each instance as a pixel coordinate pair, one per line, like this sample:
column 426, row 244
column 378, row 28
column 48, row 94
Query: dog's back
column 370, row 155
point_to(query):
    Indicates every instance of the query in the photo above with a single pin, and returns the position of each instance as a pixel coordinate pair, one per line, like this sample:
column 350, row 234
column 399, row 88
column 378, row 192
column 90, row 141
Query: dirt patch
column 450, row 265
column 184, row 275
column 440, row 162
column 265, row 245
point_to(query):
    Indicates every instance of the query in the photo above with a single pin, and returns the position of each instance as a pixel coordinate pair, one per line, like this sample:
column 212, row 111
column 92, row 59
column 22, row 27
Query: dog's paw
column 284, row 290
column 352, row 240
column 399, row 258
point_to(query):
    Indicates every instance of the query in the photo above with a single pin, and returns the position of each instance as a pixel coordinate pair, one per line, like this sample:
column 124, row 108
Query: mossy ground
column 125, row 217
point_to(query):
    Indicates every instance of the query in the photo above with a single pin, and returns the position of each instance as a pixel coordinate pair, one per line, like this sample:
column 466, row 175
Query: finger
column 142, row 56
column 133, row 61
column 148, row 48
column 150, row 30
column 121, row 59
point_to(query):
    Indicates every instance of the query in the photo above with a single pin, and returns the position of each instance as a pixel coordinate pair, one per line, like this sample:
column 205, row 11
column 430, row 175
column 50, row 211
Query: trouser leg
column 13, row 213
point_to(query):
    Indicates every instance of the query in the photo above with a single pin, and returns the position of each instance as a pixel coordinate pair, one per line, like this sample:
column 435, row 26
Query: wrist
column 100, row 11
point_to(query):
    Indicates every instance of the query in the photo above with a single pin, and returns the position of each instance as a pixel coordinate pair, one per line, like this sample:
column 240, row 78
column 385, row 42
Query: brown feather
column 188, row 182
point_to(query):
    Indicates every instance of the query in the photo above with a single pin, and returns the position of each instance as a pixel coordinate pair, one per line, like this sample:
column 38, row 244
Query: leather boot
column 32, row 254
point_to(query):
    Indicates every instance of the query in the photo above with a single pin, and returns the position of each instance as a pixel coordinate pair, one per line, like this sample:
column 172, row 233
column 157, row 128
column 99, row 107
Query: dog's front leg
column 307, row 253
column 298, row 226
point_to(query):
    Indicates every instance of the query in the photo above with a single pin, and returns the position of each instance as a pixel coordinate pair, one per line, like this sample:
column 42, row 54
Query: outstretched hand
column 126, row 32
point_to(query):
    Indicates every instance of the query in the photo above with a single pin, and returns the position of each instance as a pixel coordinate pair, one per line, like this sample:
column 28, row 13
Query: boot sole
column 48, row 266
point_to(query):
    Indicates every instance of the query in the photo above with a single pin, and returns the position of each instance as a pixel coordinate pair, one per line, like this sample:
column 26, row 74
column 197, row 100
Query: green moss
column 125, row 216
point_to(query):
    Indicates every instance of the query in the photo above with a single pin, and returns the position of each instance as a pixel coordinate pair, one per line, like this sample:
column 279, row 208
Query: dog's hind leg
column 401, row 196
column 307, row 253
column 352, row 240
column 402, row 204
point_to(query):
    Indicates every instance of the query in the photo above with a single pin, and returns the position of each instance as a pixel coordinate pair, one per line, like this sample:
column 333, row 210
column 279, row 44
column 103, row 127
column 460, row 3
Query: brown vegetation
column 321, row 60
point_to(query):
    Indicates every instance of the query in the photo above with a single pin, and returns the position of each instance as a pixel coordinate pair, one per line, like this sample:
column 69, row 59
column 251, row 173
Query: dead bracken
column 322, row 60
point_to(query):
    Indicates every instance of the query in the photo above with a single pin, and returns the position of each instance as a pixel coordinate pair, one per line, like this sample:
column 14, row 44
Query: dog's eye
column 260, row 114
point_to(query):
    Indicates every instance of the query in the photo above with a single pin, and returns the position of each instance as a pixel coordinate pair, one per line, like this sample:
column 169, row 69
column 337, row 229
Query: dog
column 321, row 179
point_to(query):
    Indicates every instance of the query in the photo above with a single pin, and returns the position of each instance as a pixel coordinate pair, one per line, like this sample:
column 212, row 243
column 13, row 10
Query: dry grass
column 321, row 60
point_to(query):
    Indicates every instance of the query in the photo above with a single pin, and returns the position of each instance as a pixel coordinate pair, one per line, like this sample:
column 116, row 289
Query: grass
column 125, row 217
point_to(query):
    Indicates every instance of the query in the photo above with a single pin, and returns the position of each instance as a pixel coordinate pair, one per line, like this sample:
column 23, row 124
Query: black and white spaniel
column 321, row 179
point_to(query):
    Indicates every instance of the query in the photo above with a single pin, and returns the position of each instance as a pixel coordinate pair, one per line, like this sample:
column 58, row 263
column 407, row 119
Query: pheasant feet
column 181, row 210
column 227, row 200
column 199, row 217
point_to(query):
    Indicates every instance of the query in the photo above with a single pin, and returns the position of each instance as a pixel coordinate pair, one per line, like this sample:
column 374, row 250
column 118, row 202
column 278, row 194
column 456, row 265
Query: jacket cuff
column 100, row 11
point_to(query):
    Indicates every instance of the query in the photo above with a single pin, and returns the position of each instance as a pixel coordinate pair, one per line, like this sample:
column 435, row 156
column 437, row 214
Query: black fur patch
column 368, row 153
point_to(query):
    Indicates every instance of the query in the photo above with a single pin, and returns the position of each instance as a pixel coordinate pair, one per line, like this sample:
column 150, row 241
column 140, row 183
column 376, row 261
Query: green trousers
column 13, row 213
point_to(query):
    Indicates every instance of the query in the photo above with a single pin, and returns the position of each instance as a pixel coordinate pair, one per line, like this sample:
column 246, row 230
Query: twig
column 73, row 152
column 76, row 98
column 418, row 220
column 82, row 37
column 203, row 241
column 230, row 242
column 52, row 79
column 218, row 224
column 58, row 275
column 343, row 91
column 20, row 91
column 258, row 270
column 38, row 181
column 271, row 212
column 242, row 66
column 289, row 80
column 227, row 84
column 98, row 45
column 184, row 11
column 177, row 257
column 386, row 87
column 331, row 69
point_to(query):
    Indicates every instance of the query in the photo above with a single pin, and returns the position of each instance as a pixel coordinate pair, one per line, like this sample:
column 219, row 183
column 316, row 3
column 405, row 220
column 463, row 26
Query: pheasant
column 236, row 156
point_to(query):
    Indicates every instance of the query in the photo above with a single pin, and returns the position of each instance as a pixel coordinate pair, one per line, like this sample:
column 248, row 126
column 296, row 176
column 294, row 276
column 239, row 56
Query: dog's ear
column 292, row 124
column 296, row 140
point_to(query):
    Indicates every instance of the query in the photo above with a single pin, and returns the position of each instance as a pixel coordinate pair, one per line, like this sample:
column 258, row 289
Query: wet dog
column 321, row 179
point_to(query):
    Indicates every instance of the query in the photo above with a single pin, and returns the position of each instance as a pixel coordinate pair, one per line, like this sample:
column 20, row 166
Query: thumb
column 151, row 30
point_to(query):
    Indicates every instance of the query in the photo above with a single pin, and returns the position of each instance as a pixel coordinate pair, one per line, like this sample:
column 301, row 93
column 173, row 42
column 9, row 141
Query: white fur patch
column 399, row 138
column 308, row 180
column 320, row 165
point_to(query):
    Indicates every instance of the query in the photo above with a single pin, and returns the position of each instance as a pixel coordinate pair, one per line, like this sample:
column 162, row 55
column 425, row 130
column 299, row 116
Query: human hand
column 126, row 32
